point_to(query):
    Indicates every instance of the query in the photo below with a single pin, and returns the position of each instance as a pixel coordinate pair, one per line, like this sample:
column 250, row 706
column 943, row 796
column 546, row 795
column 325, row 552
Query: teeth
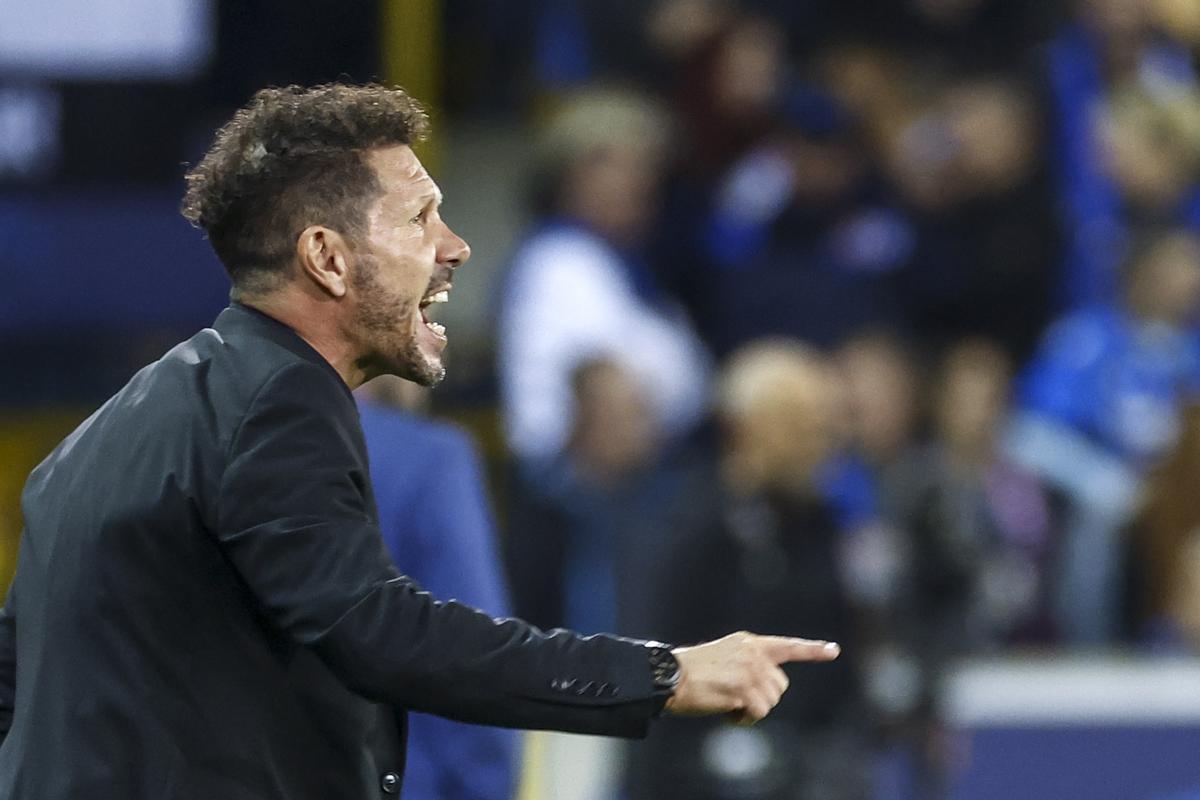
column 437, row 328
column 441, row 297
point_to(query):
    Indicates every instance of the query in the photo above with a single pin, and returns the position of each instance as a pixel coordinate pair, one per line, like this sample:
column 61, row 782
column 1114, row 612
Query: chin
column 420, row 368
column 430, row 376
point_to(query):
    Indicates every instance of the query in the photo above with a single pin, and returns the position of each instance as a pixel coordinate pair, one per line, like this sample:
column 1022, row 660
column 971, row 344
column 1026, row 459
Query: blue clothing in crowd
column 1095, row 216
column 850, row 488
column 1119, row 381
column 438, row 527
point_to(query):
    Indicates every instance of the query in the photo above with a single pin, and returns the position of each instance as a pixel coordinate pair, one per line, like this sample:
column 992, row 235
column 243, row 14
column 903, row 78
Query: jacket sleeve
column 295, row 521
column 445, row 520
column 8, row 662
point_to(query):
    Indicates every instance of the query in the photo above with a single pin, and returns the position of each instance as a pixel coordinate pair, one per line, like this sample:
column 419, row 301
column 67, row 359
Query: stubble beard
column 385, row 321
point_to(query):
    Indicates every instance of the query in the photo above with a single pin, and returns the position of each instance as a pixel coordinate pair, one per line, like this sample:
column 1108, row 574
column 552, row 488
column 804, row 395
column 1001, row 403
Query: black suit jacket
column 204, row 609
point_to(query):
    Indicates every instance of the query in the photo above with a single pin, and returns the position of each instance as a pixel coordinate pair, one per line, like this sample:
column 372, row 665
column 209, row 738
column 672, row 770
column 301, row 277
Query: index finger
column 784, row 649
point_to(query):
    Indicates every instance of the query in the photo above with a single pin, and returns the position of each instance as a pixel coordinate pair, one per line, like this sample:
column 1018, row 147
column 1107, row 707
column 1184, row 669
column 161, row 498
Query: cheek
column 410, row 239
column 410, row 264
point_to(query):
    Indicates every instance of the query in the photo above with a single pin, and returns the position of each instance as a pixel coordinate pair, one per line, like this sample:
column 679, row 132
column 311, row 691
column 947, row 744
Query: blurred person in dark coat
column 981, row 526
column 882, row 381
column 439, row 531
column 759, row 542
column 203, row 604
column 980, row 547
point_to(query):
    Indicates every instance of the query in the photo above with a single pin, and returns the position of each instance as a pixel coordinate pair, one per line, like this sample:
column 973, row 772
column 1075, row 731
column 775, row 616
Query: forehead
column 401, row 175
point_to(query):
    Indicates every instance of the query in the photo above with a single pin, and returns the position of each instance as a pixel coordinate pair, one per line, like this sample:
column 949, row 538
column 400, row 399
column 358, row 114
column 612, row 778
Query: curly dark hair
column 293, row 157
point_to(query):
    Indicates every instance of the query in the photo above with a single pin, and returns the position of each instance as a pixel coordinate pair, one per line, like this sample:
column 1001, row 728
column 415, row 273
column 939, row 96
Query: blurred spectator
column 881, row 383
column 1164, row 547
column 731, row 73
column 981, row 533
column 986, row 257
column 798, row 239
column 1115, row 45
column 980, row 526
column 1101, row 403
column 1152, row 148
column 977, row 537
column 589, row 541
column 429, row 471
column 571, row 526
column 759, row 549
column 581, row 287
column 881, row 380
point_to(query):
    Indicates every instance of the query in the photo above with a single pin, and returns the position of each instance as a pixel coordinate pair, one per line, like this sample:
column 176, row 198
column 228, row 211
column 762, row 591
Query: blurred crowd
column 870, row 321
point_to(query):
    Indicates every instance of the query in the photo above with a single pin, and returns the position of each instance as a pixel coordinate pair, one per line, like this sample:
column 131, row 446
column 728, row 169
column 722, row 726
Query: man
column 203, row 606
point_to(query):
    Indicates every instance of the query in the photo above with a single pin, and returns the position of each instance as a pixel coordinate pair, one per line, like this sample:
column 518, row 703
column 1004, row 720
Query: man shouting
column 203, row 606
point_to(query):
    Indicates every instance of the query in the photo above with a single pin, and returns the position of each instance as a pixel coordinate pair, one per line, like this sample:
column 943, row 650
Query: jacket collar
column 240, row 318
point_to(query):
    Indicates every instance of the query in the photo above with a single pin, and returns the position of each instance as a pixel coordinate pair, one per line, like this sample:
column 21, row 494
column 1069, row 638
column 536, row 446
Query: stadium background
column 978, row 215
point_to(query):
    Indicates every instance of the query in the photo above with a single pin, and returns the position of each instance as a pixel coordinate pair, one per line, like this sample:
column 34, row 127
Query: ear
column 324, row 256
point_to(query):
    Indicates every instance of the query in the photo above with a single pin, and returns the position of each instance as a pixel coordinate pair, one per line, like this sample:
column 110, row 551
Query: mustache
column 442, row 277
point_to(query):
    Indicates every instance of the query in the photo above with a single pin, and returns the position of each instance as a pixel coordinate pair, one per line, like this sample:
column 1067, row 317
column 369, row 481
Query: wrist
column 665, row 672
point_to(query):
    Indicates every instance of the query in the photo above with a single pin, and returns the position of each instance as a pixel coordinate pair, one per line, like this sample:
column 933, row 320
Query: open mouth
column 442, row 295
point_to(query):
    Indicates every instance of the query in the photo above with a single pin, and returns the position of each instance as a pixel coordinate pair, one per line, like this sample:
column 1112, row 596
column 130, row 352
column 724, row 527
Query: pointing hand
column 740, row 674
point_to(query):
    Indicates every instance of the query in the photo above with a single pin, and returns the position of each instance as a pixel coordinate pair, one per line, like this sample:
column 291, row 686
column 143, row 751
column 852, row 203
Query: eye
column 419, row 219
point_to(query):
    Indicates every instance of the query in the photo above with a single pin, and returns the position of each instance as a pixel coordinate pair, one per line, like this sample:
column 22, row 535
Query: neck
column 313, row 320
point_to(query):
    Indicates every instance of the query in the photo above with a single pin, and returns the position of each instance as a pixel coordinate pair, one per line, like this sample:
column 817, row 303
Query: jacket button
column 390, row 783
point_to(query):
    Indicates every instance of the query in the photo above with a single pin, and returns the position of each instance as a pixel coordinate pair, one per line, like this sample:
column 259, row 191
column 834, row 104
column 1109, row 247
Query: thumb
column 784, row 649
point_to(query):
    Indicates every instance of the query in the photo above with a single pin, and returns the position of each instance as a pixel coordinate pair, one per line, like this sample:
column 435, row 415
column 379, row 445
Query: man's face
column 405, row 264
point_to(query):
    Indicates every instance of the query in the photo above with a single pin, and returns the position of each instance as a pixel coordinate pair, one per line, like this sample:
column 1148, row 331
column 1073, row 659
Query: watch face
column 665, row 668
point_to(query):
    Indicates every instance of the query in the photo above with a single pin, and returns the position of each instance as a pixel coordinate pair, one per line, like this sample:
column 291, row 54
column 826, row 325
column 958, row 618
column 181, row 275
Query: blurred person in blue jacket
column 575, row 522
column 1101, row 403
column 593, row 536
column 452, row 553
column 1116, row 166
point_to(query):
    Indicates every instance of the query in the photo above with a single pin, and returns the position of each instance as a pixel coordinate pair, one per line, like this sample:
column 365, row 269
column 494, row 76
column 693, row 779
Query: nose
column 454, row 250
